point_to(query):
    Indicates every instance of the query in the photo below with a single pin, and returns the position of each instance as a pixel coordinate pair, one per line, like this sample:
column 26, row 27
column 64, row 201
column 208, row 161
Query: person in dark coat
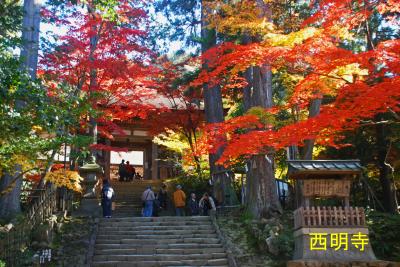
column 163, row 196
column 122, row 170
column 193, row 205
column 156, row 206
column 206, row 204
column 107, row 197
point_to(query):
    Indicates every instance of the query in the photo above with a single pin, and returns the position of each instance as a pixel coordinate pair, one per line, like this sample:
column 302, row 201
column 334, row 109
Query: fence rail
column 42, row 204
column 329, row 216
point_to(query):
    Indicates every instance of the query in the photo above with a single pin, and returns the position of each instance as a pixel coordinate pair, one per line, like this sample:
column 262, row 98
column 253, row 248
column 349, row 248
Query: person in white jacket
column 206, row 204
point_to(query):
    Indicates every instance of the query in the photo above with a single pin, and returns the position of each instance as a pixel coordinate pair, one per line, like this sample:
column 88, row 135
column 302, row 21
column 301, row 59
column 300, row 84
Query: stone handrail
column 231, row 258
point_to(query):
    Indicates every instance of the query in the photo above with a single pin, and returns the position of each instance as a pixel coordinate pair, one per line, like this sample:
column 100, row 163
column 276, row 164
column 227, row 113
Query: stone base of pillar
column 324, row 244
column 89, row 207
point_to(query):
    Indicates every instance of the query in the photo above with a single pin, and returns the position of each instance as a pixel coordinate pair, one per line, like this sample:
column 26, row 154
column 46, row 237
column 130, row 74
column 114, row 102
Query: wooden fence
column 329, row 217
column 42, row 204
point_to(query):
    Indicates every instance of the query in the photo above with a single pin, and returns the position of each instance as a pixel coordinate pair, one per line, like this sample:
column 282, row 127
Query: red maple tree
column 107, row 59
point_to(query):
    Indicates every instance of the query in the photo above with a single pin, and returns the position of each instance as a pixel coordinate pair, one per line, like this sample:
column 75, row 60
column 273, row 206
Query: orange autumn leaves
column 59, row 177
column 358, row 84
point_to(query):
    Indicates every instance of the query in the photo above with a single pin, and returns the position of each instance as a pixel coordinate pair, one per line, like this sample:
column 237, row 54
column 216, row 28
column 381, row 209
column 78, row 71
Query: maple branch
column 12, row 183
column 395, row 115
column 369, row 123
column 332, row 77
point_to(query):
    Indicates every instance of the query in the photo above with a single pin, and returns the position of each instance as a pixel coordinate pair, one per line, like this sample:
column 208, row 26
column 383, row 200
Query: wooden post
column 154, row 162
column 107, row 164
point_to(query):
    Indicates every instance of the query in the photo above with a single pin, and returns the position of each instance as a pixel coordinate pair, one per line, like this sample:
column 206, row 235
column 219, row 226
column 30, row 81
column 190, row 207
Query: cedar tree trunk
column 10, row 184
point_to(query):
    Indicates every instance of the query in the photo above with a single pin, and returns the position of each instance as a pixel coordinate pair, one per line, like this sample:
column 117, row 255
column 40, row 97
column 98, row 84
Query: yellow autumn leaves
column 70, row 179
column 24, row 162
column 236, row 16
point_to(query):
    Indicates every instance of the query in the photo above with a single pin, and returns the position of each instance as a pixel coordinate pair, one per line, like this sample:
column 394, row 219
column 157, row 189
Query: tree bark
column 214, row 113
column 10, row 203
column 390, row 202
column 94, row 40
column 314, row 110
column 262, row 198
column 30, row 36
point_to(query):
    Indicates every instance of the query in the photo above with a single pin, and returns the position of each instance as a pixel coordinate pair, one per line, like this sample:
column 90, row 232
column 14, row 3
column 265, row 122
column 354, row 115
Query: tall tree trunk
column 307, row 150
column 314, row 110
column 214, row 113
column 30, row 36
column 390, row 202
column 94, row 40
column 10, row 202
column 262, row 199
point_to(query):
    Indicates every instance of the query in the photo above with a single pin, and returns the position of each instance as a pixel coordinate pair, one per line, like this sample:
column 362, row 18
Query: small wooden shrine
column 334, row 232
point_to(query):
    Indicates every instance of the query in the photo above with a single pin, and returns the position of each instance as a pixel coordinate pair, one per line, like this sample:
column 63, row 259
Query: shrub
column 384, row 235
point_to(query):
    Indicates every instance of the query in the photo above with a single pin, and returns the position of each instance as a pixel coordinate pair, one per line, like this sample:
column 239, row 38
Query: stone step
column 126, row 210
column 128, row 193
column 157, row 246
column 161, row 257
column 144, row 251
column 121, row 235
column 128, row 205
column 210, row 263
column 121, row 207
column 166, row 233
column 155, row 240
column 177, row 225
column 127, row 201
column 158, row 219
column 157, row 228
column 154, row 220
column 135, row 187
column 128, row 198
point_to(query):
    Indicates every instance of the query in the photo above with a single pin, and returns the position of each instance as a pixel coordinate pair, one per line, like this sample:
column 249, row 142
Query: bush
column 384, row 235
column 274, row 235
column 190, row 183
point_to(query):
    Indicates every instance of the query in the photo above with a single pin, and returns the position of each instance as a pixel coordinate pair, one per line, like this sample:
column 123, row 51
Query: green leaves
column 10, row 24
column 33, row 123
column 384, row 234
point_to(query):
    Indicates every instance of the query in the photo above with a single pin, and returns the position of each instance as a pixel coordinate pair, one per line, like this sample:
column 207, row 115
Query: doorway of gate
column 135, row 159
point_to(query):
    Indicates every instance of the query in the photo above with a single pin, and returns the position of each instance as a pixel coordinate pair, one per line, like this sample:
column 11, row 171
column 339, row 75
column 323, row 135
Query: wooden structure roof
column 308, row 168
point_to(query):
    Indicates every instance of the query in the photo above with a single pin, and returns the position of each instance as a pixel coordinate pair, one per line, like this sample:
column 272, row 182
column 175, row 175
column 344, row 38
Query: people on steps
column 179, row 201
column 206, row 204
column 148, row 198
column 107, row 197
column 193, row 205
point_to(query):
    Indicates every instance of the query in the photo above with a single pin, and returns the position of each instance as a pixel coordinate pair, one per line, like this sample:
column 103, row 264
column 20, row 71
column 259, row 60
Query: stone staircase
column 126, row 240
column 158, row 241
column 128, row 196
